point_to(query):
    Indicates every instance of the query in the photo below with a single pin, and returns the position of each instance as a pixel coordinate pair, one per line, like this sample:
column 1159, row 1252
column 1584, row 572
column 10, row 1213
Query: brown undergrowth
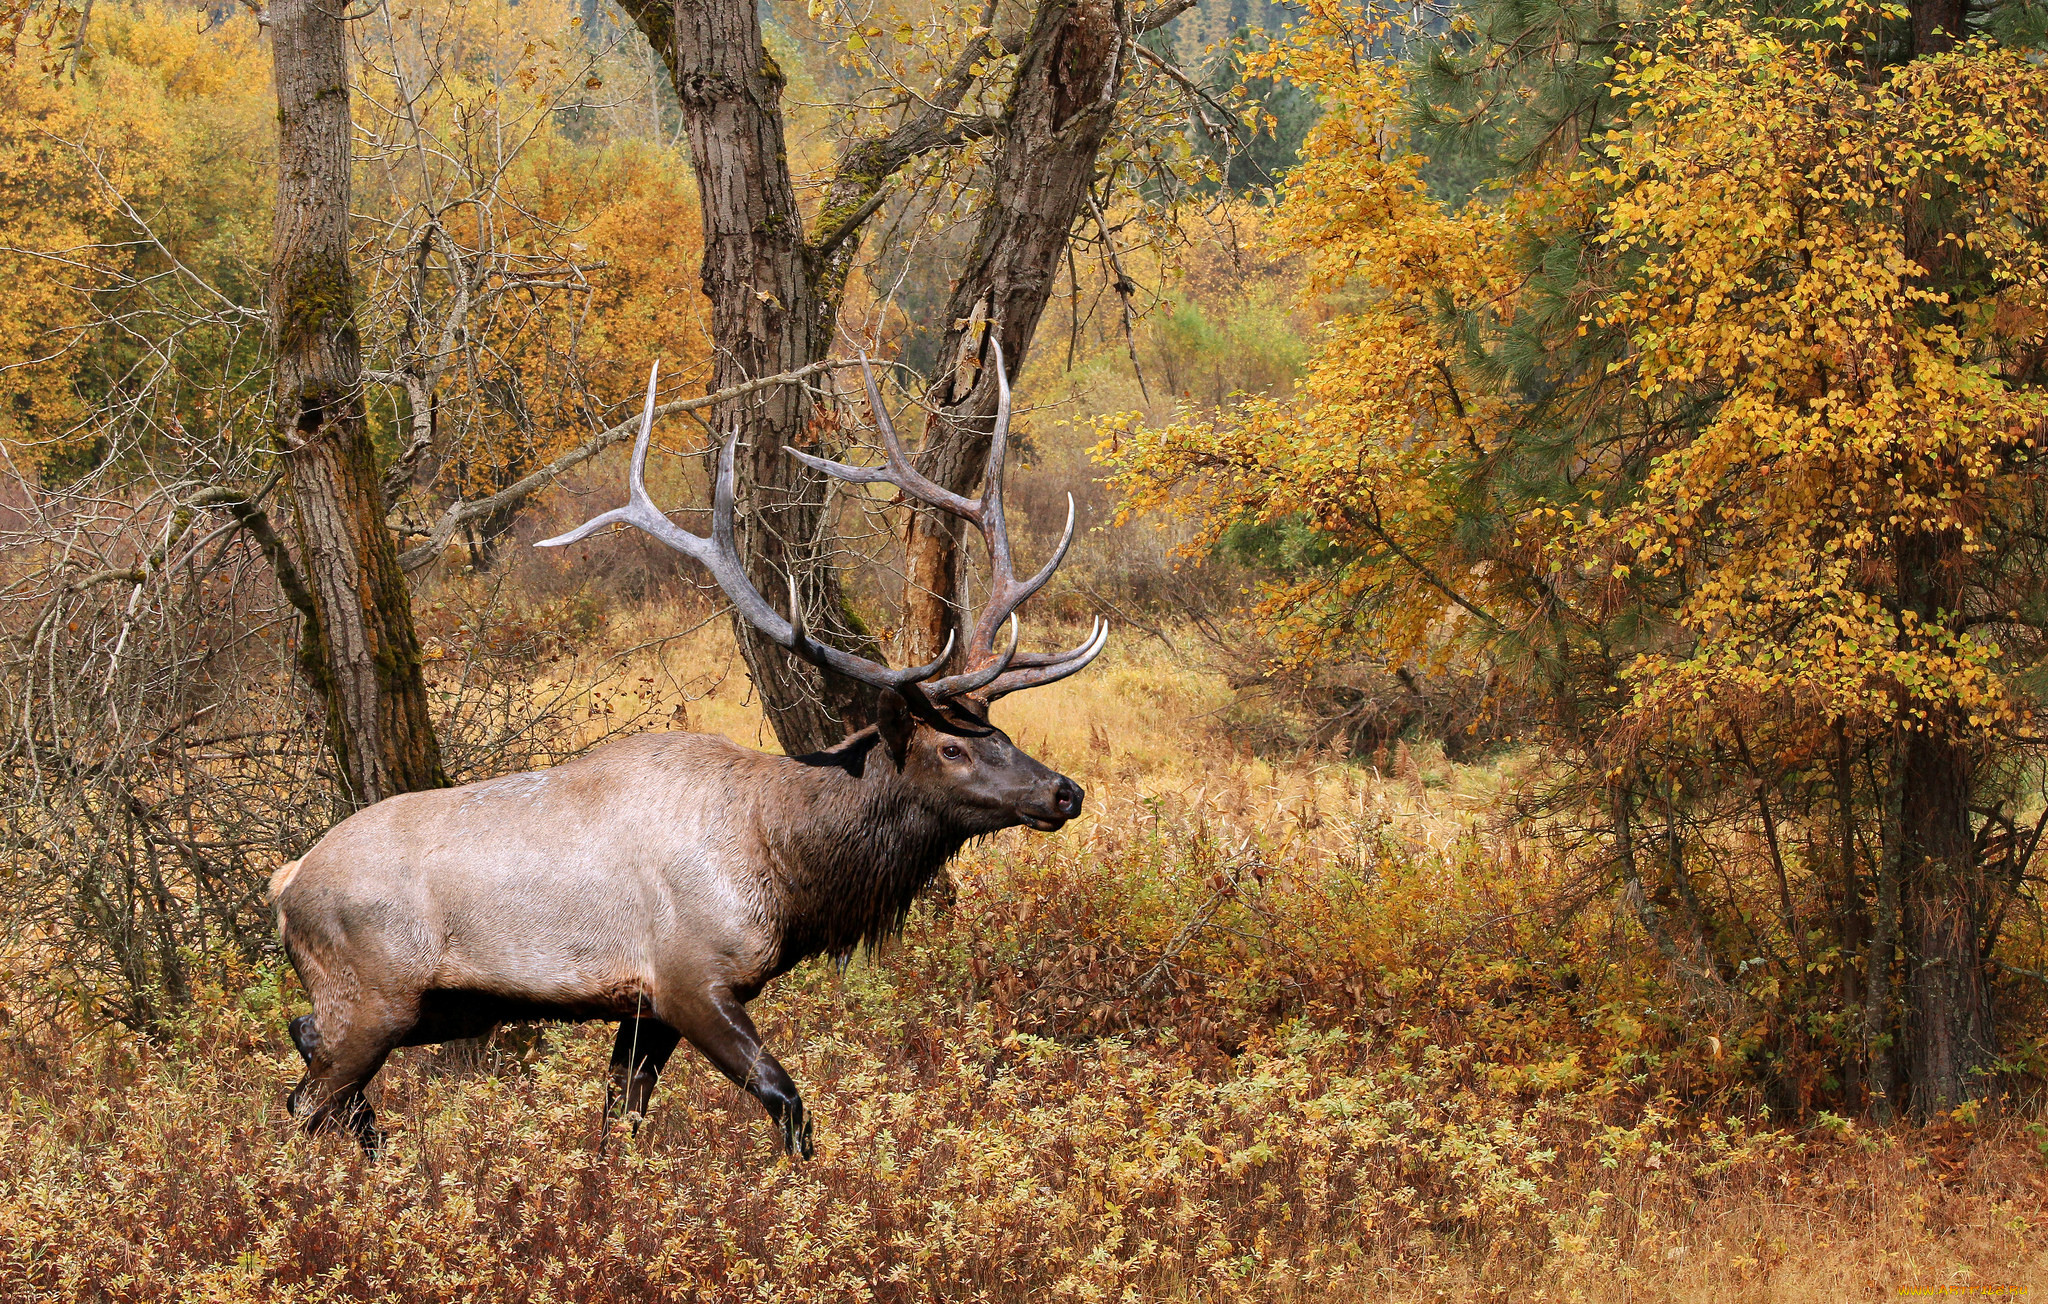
column 1249, row 1031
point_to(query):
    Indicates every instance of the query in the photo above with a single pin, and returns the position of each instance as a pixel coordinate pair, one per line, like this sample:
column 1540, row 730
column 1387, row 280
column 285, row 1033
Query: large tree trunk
column 358, row 648
column 1950, row 1037
column 1938, row 25
column 1060, row 113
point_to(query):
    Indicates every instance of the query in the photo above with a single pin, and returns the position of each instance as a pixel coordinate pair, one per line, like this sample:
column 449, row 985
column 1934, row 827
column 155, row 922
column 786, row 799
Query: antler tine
column 1008, row 594
column 974, row 681
column 796, row 611
column 1040, row 669
column 719, row 554
column 898, row 470
column 1046, row 660
column 907, row 477
column 1005, row 593
column 994, row 524
column 639, row 509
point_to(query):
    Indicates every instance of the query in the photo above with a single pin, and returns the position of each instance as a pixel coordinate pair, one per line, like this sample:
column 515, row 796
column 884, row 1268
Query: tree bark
column 1852, row 926
column 1938, row 25
column 1951, row 1037
column 767, row 316
column 1068, row 79
column 1879, row 1040
column 358, row 647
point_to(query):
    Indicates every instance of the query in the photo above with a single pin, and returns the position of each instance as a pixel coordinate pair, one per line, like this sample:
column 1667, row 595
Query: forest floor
column 1248, row 1030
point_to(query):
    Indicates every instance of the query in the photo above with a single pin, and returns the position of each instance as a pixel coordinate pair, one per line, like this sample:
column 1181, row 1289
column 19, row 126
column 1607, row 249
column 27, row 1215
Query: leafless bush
column 156, row 756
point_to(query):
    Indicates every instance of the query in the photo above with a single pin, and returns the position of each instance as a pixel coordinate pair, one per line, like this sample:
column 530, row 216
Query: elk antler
column 988, row 675
column 719, row 555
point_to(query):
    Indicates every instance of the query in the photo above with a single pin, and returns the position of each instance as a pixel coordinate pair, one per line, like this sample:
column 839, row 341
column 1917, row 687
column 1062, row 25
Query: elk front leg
column 718, row 1026
column 639, row 1054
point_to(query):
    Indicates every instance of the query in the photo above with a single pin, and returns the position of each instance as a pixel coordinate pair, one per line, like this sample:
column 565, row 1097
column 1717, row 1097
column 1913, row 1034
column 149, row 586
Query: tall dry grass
column 1249, row 1030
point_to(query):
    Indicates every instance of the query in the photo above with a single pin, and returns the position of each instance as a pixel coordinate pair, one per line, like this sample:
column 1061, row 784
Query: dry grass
column 1249, row 1031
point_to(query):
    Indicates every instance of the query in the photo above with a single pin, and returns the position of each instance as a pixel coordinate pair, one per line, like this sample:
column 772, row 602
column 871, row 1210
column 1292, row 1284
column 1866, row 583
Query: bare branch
column 459, row 513
column 1125, row 288
column 1152, row 17
column 828, row 244
column 867, row 167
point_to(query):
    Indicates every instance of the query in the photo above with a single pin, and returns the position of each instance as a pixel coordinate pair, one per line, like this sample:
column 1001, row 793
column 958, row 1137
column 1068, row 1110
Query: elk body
column 663, row 880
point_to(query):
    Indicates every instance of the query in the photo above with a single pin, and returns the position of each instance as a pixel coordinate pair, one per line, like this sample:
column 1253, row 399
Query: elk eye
column 951, row 751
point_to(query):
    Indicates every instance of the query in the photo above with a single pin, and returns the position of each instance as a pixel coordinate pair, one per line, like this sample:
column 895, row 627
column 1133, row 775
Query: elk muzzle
column 1061, row 803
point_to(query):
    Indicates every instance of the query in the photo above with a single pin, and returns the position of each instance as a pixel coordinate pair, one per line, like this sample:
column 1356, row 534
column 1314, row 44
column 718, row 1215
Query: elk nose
column 1066, row 798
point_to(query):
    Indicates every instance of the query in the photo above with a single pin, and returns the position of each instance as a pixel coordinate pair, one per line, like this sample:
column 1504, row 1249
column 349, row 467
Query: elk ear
column 897, row 722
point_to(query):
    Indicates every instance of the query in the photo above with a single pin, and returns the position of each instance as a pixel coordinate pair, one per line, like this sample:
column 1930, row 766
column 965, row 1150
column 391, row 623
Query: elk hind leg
column 720, row 1028
column 639, row 1054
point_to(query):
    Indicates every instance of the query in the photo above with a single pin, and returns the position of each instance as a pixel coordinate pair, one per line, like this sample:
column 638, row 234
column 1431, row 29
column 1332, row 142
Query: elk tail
column 281, row 878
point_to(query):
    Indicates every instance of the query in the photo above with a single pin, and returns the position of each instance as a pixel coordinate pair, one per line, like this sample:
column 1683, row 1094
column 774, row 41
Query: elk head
column 935, row 730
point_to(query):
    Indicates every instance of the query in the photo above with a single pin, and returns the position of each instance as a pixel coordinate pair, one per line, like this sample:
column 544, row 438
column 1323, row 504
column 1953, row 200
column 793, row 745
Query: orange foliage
column 627, row 218
column 163, row 120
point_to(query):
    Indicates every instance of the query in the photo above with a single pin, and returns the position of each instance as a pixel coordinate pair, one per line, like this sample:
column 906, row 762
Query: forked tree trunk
column 358, row 648
column 775, row 294
column 766, row 317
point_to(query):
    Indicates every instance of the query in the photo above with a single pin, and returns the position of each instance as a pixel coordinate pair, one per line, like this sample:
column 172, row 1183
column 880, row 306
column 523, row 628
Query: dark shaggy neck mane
column 856, row 843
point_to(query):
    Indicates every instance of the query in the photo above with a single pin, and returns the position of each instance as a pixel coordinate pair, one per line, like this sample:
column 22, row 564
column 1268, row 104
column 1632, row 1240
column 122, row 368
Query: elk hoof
column 796, row 1133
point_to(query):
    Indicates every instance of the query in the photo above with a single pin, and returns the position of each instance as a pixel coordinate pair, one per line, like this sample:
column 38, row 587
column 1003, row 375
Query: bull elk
column 663, row 880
